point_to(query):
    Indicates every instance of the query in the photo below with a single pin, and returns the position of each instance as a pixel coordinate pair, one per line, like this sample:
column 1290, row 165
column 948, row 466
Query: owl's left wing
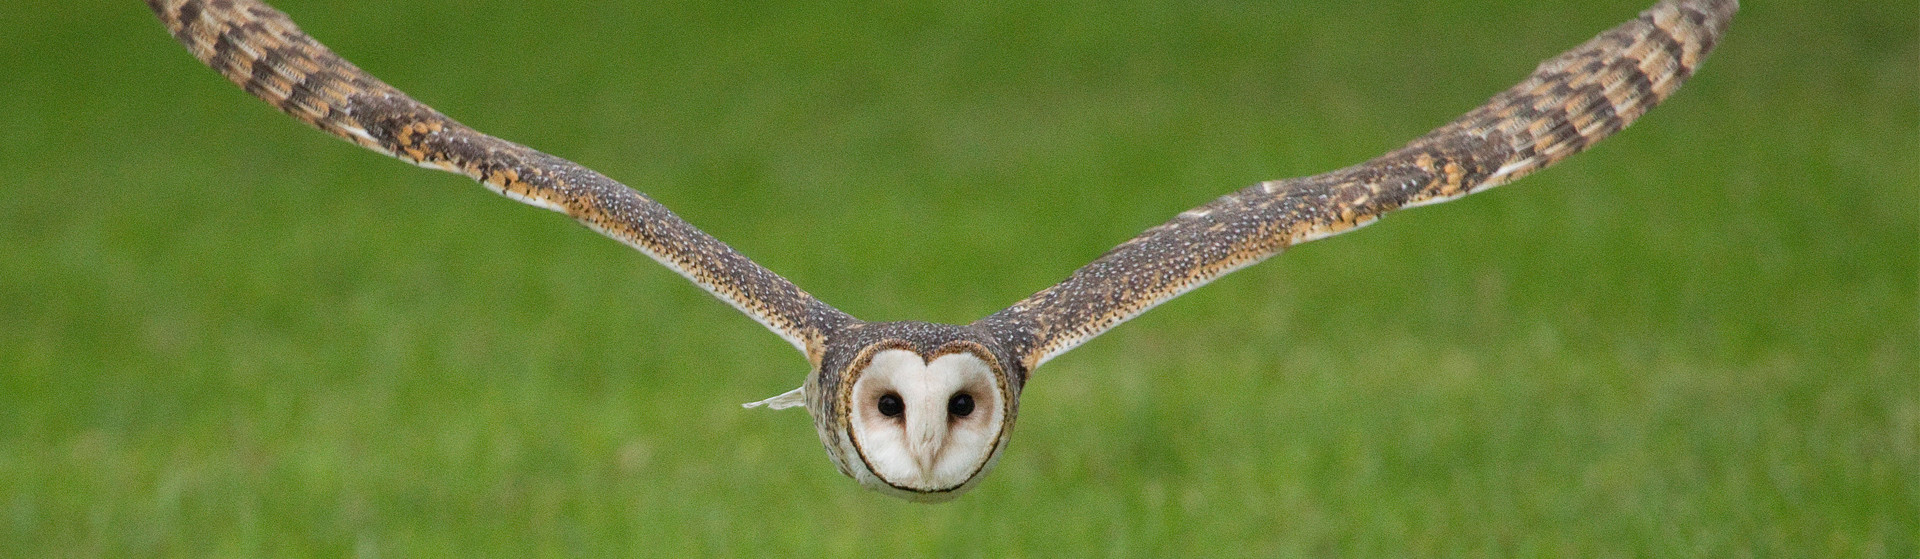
column 1567, row 104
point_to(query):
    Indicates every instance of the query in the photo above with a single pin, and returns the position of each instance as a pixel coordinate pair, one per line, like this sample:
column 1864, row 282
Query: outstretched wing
column 1570, row 102
column 262, row 51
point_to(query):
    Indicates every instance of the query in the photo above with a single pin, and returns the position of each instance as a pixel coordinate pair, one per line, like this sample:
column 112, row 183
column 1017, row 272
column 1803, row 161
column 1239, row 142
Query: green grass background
column 224, row 334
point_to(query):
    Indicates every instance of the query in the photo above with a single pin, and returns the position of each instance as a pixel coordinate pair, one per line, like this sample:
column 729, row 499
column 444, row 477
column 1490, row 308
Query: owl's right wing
column 1570, row 102
column 260, row 49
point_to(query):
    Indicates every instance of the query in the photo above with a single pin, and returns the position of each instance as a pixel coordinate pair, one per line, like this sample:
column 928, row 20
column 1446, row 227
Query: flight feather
column 1569, row 102
column 260, row 49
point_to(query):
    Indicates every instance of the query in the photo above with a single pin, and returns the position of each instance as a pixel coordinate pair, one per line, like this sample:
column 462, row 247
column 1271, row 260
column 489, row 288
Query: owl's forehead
column 852, row 350
column 951, row 359
column 926, row 339
column 921, row 337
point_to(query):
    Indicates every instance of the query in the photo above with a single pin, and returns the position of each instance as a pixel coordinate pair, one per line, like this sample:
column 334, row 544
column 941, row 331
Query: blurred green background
column 225, row 334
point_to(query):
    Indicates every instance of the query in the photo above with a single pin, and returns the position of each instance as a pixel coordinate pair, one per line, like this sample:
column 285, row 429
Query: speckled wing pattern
column 262, row 51
column 1570, row 102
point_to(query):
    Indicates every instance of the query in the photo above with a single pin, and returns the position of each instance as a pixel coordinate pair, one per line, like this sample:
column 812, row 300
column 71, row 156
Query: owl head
column 914, row 410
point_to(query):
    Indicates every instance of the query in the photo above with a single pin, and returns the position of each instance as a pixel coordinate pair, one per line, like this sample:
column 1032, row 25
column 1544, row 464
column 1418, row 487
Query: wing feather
column 260, row 49
column 1569, row 102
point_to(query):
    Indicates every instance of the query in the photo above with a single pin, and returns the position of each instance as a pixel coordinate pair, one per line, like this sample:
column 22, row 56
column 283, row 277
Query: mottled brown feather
column 1570, row 102
column 262, row 51
column 1566, row 105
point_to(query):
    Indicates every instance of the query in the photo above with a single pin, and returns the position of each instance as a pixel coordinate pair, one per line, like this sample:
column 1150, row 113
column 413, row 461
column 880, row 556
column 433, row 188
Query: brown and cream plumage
column 922, row 410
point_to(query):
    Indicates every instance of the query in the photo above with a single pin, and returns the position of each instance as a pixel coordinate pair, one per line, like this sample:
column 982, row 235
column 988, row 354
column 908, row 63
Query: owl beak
column 926, row 434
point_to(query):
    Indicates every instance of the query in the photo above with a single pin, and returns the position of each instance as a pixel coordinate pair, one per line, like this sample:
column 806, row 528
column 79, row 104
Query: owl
column 922, row 410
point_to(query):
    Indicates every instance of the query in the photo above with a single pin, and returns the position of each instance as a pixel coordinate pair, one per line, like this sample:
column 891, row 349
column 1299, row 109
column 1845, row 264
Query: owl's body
column 922, row 410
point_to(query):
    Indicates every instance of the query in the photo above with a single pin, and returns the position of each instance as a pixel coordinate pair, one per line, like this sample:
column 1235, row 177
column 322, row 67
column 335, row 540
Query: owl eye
column 961, row 405
column 891, row 406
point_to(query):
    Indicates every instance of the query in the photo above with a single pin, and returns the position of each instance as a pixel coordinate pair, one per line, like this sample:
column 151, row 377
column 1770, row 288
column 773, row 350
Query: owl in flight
column 921, row 410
